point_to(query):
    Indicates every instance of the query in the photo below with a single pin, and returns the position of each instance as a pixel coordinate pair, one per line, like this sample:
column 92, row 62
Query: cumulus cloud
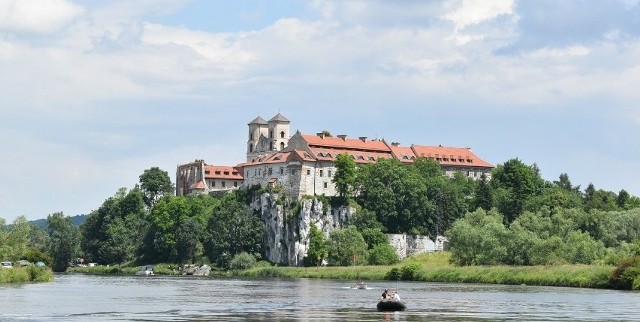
column 39, row 16
column 469, row 12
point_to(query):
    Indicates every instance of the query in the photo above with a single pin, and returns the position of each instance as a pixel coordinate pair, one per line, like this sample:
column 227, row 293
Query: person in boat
column 385, row 294
column 396, row 297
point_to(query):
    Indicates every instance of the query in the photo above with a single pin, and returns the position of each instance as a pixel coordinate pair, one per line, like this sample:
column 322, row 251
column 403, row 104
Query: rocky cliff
column 286, row 229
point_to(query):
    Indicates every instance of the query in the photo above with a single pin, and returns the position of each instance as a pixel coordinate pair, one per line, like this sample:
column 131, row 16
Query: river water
column 76, row 297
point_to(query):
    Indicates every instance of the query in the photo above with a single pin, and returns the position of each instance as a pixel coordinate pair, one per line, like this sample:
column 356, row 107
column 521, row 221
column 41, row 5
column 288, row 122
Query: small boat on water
column 145, row 271
column 360, row 286
column 391, row 305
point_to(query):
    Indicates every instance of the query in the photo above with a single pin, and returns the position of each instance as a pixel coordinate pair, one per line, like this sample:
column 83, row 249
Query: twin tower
column 267, row 137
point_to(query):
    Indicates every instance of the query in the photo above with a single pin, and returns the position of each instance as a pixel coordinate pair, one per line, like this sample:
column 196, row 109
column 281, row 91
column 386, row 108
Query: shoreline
column 430, row 267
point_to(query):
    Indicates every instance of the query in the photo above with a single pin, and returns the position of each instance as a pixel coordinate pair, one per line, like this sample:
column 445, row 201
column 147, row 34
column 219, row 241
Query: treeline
column 148, row 224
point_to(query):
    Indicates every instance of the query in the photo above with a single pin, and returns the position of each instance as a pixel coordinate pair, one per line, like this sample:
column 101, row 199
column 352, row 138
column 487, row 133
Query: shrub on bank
column 26, row 274
column 626, row 276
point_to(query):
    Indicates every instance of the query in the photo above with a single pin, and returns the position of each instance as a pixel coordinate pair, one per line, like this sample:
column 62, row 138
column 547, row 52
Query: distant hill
column 77, row 220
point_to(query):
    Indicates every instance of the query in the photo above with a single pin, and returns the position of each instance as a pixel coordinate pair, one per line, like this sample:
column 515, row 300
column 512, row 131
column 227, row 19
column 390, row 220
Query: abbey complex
column 303, row 164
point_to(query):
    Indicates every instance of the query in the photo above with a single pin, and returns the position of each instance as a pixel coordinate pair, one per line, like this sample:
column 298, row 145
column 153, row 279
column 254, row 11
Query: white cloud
column 471, row 12
column 39, row 16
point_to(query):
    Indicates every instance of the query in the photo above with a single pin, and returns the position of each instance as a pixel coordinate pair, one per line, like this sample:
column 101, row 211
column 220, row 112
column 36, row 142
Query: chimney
column 363, row 138
column 395, row 143
column 343, row 137
column 320, row 134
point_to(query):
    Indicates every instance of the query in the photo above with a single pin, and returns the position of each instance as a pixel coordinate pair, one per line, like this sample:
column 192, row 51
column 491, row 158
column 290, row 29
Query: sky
column 93, row 92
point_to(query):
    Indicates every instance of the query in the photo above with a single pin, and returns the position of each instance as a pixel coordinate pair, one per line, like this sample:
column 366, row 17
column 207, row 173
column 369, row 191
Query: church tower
column 257, row 128
column 278, row 132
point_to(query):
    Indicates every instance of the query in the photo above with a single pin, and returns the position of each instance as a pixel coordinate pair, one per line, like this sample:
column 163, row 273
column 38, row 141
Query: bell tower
column 257, row 128
column 278, row 132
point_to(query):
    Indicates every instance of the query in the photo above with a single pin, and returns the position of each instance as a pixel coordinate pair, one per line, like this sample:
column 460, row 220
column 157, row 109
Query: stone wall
column 409, row 245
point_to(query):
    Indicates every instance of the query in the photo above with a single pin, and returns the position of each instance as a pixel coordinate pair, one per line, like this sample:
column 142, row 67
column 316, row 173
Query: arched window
column 251, row 136
column 282, row 135
column 271, row 134
column 250, row 148
column 281, row 146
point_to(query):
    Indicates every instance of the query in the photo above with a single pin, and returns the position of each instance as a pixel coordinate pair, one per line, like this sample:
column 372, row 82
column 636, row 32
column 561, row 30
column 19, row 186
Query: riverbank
column 435, row 267
column 429, row 267
column 27, row 274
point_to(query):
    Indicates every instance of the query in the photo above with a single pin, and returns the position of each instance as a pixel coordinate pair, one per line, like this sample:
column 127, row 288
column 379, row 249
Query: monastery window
column 235, row 184
column 271, row 146
column 271, row 134
column 259, row 172
column 270, row 171
column 250, row 148
column 321, row 172
column 308, row 172
column 328, row 173
column 224, row 184
column 282, row 135
column 472, row 174
column 213, row 183
column 281, row 170
column 251, row 136
column 281, row 146
column 326, row 185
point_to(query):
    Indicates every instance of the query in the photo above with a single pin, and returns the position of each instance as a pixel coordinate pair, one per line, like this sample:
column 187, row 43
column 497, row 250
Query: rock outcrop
column 286, row 229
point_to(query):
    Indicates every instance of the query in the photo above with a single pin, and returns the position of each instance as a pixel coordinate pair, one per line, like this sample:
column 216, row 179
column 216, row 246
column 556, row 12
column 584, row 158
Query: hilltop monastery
column 303, row 164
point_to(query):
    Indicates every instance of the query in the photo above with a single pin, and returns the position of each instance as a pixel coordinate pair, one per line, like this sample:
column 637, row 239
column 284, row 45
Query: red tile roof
column 450, row 156
column 221, row 172
column 326, row 154
column 198, row 185
column 345, row 143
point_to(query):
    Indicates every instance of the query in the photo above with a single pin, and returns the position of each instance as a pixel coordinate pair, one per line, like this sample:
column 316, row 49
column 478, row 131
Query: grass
column 26, row 274
column 426, row 267
column 435, row 267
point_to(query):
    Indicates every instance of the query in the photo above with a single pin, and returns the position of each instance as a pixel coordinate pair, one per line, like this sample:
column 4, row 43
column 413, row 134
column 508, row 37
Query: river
column 77, row 297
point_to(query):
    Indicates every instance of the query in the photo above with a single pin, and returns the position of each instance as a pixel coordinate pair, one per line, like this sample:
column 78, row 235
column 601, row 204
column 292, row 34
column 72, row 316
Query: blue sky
column 92, row 93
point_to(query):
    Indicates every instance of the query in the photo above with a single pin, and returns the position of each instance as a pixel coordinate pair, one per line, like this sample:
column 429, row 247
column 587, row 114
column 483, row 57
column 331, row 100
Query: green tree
column 317, row 246
column 113, row 233
column 188, row 245
column 483, row 196
column 17, row 239
column 623, row 197
column 345, row 175
column 374, row 237
column 232, row 229
column 428, row 168
column 345, row 245
column 155, row 183
column 398, row 195
column 364, row 218
column 382, row 254
column 64, row 241
column 517, row 183
column 480, row 238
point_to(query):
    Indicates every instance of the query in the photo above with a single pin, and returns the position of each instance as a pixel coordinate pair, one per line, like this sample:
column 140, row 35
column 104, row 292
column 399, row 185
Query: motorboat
column 145, row 271
column 391, row 305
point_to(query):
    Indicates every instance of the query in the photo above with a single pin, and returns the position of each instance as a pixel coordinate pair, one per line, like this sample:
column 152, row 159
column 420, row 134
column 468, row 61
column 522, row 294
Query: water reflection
column 158, row 298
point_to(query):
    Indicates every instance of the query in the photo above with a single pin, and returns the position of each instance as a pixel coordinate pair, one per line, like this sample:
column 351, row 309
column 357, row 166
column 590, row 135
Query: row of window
column 321, row 173
column 223, row 184
column 282, row 135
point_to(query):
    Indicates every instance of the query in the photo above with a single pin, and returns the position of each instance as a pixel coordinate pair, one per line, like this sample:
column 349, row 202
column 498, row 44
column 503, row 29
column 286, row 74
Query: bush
column 393, row 274
column 626, row 276
column 243, row 260
column 382, row 254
